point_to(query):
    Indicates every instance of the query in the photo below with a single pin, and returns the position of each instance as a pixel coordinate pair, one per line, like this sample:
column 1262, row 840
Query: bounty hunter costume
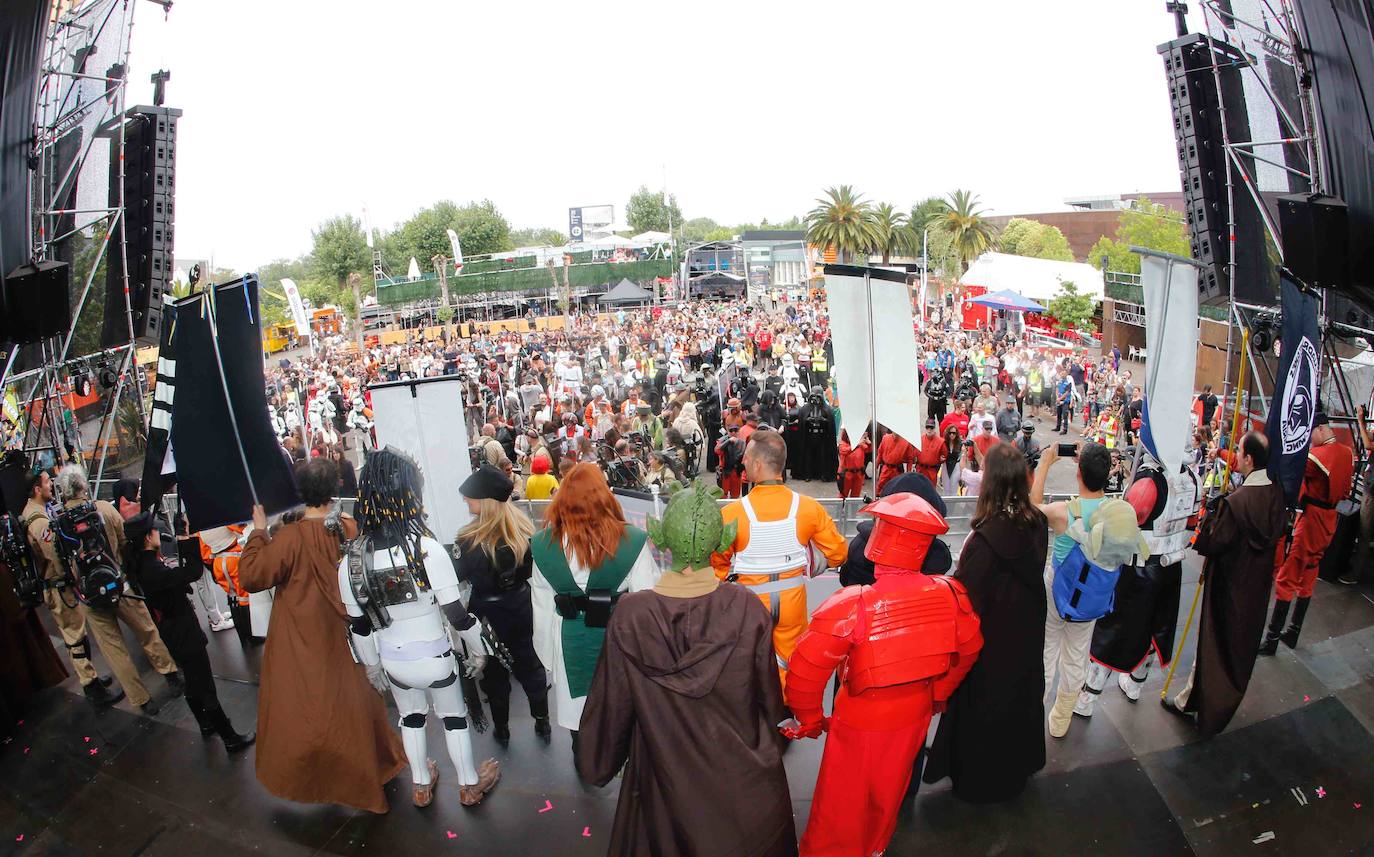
column 902, row 646
column 1144, row 618
column 398, row 587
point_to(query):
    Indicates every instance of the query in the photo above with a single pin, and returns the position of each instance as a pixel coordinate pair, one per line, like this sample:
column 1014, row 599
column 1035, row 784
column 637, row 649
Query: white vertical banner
column 1171, row 337
column 457, row 248
column 293, row 297
column 875, row 350
column 424, row 419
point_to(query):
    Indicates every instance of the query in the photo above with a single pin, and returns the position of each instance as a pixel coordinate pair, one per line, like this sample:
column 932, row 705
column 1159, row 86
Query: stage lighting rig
column 108, row 377
column 1265, row 330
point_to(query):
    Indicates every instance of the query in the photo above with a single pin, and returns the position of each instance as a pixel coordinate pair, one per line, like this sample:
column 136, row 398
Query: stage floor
column 1294, row 774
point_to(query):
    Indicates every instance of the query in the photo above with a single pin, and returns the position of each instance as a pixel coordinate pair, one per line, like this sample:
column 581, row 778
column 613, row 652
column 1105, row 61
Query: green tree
column 647, row 211
column 536, row 237
column 481, row 230
column 844, row 220
column 85, row 251
column 697, row 229
column 923, row 212
column 970, row 233
column 1148, row 225
column 892, row 235
column 1022, row 237
column 1069, row 309
column 340, row 253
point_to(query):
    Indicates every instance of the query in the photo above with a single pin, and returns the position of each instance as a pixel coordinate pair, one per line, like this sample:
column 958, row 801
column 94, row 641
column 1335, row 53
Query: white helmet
column 598, row 390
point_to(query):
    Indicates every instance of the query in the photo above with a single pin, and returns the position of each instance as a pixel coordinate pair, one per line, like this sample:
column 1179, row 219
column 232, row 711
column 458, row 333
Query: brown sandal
column 424, row 795
column 488, row 773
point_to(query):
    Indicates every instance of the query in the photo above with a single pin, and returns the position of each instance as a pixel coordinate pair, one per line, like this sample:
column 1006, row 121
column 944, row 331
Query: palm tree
column 970, row 234
column 843, row 220
column 894, row 237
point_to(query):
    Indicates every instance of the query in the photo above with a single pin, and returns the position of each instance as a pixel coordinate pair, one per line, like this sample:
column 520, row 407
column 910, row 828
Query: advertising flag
column 293, row 297
column 1294, row 404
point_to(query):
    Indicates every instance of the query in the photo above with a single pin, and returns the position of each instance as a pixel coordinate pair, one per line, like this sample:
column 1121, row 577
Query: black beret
column 487, row 483
column 137, row 527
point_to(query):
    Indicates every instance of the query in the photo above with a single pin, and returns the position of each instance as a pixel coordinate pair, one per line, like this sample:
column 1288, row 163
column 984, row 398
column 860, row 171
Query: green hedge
column 1136, row 295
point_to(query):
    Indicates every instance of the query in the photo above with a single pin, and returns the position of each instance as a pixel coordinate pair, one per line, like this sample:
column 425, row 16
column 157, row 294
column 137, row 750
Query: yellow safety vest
column 818, row 361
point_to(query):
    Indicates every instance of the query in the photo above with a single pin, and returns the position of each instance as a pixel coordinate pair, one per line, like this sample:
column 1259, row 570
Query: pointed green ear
column 715, row 492
column 727, row 536
column 655, row 529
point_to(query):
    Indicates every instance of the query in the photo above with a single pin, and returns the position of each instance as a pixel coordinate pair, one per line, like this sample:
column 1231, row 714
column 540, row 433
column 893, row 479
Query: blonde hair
column 499, row 523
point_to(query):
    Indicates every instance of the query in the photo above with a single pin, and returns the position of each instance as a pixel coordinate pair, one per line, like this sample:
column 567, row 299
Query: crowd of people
column 683, row 656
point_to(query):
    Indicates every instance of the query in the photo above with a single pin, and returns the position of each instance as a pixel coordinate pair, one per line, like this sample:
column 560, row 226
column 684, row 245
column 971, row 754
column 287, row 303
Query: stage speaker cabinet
column 37, row 302
column 1315, row 239
column 146, row 228
column 1203, row 164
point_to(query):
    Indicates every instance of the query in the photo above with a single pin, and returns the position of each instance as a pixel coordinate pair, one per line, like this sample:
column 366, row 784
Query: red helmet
column 903, row 531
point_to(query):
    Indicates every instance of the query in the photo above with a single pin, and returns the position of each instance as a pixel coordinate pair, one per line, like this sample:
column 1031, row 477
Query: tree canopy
column 1148, row 225
column 842, row 219
column 647, row 211
column 1022, row 237
column 1069, row 309
column 535, row 237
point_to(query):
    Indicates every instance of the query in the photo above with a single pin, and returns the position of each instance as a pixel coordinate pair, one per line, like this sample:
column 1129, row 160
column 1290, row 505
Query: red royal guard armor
column 902, row 646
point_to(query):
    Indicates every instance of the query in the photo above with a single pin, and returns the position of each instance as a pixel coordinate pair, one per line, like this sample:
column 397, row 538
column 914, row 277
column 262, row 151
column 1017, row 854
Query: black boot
column 1270, row 646
column 105, row 680
column 100, row 695
column 207, row 726
column 1290, row 637
column 540, row 709
column 232, row 740
column 500, row 718
column 175, row 683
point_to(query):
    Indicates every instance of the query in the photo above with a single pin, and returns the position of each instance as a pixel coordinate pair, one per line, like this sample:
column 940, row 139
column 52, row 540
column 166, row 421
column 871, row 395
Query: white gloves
column 376, row 674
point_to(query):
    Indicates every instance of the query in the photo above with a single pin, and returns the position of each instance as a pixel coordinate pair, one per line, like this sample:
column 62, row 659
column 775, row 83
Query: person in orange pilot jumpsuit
column 219, row 550
column 850, row 479
column 1325, row 482
column 782, row 536
column 902, row 646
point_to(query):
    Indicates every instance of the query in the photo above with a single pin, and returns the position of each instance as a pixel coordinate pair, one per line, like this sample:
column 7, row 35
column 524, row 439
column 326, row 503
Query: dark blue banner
column 1295, row 390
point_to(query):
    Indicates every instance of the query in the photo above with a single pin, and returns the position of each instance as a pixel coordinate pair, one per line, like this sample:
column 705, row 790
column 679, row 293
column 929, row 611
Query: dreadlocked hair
column 389, row 508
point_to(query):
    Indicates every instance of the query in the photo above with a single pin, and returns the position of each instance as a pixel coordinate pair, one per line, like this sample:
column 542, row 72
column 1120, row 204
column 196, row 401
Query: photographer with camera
column 86, row 580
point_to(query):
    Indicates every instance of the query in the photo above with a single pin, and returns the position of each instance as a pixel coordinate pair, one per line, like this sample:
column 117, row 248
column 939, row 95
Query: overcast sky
column 297, row 110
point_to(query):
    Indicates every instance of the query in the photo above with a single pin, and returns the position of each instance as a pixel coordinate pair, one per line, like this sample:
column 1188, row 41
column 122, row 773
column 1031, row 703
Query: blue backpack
column 1083, row 590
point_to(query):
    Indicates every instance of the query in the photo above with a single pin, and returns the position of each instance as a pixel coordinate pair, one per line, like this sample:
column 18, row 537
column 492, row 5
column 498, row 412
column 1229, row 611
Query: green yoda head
column 692, row 527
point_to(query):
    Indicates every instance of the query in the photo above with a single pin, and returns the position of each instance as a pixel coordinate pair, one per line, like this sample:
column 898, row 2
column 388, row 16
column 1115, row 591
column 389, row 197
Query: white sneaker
column 221, row 622
column 1084, row 706
column 1129, row 686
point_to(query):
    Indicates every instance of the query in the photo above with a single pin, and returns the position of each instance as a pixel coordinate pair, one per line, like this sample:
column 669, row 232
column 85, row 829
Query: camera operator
column 648, row 425
column 1028, row 446
column 625, row 470
column 103, row 621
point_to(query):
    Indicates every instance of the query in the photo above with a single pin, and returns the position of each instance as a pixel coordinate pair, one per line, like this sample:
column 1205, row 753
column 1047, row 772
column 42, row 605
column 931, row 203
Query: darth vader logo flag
column 1294, row 404
column 226, row 451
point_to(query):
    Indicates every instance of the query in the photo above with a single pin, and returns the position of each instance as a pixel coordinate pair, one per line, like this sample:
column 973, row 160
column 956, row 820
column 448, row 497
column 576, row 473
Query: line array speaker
column 37, row 302
column 149, row 184
column 1198, row 118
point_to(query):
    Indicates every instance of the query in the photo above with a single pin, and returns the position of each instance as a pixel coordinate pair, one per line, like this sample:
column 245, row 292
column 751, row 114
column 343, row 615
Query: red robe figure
column 730, row 470
column 931, row 455
column 895, row 457
column 850, row 479
column 1325, row 482
column 902, row 646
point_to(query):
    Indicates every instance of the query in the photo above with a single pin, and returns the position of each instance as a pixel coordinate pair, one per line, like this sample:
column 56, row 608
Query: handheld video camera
column 85, row 553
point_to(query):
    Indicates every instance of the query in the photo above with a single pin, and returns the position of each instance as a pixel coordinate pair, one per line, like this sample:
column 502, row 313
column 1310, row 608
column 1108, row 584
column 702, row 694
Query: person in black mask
column 770, row 411
column 493, row 553
column 165, row 586
column 858, row 569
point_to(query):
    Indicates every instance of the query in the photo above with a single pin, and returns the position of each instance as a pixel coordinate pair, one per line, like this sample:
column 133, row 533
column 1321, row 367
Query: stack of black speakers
column 1198, row 131
column 149, row 194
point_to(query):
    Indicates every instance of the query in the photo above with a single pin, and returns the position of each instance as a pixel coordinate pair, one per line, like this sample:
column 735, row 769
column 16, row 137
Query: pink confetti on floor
column 19, row 838
column 1306, row 698
column 20, row 723
column 1358, row 805
column 1321, row 792
column 87, row 739
column 451, row 834
column 95, row 751
column 586, row 831
column 548, row 805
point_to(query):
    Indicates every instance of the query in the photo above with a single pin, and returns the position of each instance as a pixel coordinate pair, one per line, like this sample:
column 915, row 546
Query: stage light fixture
column 108, row 378
column 1264, row 331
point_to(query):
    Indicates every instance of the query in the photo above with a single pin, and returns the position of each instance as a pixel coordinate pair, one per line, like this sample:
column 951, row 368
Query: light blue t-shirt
column 1063, row 543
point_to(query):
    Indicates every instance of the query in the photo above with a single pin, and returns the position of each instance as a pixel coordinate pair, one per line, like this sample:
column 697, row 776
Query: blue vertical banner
column 1294, row 404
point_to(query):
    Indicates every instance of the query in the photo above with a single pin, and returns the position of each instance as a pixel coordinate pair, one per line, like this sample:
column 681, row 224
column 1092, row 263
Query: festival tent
column 1037, row 279
column 610, row 241
column 626, row 292
column 651, row 237
column 1007, row 299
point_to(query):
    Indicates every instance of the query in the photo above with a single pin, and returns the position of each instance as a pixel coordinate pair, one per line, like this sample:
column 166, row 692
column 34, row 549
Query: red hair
column 585, row 514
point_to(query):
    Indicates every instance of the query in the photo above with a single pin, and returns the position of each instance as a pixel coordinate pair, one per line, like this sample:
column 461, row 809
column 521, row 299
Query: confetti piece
column 1321, row 792
column 451, row 834
column 548, row 805
column 26, row 751
column 1266, row 836
column 19, row 838
column 1358, row 805
column 87, row 739
column 586, row 831
column 1306, row 698
column 20, row 723
column 95, row 751
column 1254, row 806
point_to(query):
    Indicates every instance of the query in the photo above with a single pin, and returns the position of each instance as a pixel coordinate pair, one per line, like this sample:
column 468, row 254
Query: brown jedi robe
column 28, row 661
column 1238, row 541
column 686, row 689
column 323, row 731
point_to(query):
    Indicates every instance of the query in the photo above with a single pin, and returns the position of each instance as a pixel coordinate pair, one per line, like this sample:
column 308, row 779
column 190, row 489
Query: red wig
column 584, row 514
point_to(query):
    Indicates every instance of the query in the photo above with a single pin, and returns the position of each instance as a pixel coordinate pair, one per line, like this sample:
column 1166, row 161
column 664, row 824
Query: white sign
column 293, row 297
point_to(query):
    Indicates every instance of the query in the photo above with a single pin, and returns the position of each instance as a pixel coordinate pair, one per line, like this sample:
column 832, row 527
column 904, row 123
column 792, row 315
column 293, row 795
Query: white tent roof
column 610, row 241
column 1037, row 279
column 651, row 237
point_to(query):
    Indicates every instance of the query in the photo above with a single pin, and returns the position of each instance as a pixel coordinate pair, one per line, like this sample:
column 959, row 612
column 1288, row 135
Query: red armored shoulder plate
column 908, row 635
column 838, row 615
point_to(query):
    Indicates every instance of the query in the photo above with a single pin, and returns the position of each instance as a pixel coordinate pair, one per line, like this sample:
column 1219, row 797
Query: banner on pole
column 1171, row 336
column 293, row 297
column 1296, row 389
column 457, row 248
column 881, row 365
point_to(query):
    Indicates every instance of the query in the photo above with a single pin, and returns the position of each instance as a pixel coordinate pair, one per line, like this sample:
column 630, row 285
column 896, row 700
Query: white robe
column 548, row 626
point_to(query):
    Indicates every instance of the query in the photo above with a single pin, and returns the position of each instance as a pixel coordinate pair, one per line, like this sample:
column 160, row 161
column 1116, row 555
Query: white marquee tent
column 1037, row 279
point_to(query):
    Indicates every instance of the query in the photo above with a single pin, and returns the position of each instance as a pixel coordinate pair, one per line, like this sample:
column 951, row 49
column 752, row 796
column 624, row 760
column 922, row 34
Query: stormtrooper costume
column 632, row 377
column 413, row 657
column 321, row 413
column 791, row 379
column 278, row 422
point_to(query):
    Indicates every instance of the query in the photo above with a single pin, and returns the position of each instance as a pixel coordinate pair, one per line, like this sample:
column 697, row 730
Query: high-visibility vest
column 817, row 361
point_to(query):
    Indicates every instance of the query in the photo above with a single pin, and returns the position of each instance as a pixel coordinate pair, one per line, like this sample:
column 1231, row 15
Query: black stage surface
column 1293, row 775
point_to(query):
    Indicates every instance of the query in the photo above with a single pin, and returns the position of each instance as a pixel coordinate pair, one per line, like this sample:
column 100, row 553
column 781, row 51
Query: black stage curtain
column 210, row 475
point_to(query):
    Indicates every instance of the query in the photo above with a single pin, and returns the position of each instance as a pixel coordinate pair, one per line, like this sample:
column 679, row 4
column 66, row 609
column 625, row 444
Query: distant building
column 1092, row 217
column 774, row 258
